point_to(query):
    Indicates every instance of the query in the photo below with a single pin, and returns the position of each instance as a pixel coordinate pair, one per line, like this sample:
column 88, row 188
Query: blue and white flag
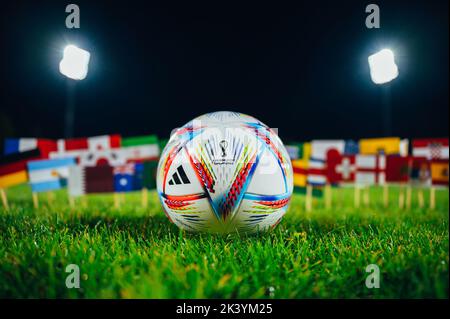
column 47, row 175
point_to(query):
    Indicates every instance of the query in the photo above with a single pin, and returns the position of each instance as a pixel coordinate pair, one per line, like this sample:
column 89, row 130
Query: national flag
column 46, row 175
column 340, row 168
column 300, row 168
column 370, row 169
column 149, row 170
column 439, row 172
column 13, row 167
column 87, row 147
column 319, row 148
column 397, row 169
column 124, row 176
column 140, row 148
column 295, row 150
column 85, row 180
column 19, row 145
column 377, row 146
column 110, row 157
column 431, row 148
column 317, row 174
column 404, row 147
column 419, row 172
column 351, row 147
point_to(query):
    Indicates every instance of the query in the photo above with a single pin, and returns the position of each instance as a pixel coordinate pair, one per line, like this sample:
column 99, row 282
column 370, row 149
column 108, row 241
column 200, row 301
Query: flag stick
column 366, row 196
column 116, row 200
column 408, row 196
column 4, row 198
column 50, row 198
column 357, row 196
column 308, row 201
column 401, row 199
column 328, row 196
column 432, row 198
column 386, row 195
column 421, row 198
column 71, row 201
column 84, row 201
column 35, row 200
column 144, row 197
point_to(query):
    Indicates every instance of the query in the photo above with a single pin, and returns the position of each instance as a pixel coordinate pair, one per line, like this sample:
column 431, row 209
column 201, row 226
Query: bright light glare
column 382, row 66
column 74, row 63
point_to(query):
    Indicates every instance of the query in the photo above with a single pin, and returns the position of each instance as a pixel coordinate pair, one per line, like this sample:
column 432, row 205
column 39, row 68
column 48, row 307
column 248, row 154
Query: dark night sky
column 301, row 68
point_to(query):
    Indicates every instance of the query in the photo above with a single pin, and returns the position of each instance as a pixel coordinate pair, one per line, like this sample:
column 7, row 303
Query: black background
column 300, row 67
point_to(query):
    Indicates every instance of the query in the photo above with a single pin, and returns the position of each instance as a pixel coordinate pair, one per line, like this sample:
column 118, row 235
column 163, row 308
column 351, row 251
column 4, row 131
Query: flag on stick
column 439, row 172
column 85, row 180
column 13, row 167
column 377, row 146
column 431, row 148
column 20, row 145
column 47, row 175
column 140, row 148
column 370, row 169
column 319, row 148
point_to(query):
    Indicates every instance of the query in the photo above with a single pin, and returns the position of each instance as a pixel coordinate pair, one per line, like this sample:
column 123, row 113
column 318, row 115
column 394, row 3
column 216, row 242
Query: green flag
column 149, row 174
column 139, row 140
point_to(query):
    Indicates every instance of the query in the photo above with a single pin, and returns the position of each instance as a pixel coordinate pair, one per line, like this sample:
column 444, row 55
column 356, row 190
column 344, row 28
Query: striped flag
column 376, row 146
column 13, row 167
column 419, row 173
column 300, row 168
column 431, row 148
column 19, row 145
column 439, row 172
column 140, row 148
column 46, row 175
column 317, row 174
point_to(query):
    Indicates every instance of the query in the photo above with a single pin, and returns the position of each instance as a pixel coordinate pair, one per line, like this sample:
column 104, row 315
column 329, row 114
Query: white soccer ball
column 225, row 172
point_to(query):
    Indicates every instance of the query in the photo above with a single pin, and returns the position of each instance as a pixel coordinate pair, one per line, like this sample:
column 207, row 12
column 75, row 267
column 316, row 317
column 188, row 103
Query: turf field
column 132, row 252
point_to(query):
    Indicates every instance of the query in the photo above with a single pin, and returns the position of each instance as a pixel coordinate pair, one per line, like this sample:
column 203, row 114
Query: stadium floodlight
column 74, row 63
column 382, row 66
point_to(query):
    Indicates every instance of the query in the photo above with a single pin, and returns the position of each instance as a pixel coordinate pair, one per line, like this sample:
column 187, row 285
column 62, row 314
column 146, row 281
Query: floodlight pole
column 386, row 112
column 70, row 108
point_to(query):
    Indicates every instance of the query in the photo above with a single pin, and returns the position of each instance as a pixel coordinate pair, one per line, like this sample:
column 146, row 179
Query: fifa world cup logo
column 223, row 145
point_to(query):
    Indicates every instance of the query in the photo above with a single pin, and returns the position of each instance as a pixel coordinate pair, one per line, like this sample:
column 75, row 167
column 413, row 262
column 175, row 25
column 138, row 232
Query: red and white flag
column 431, row 148
column 370, row 169
column 340, row 168
column 319, row 148
column 91, row 151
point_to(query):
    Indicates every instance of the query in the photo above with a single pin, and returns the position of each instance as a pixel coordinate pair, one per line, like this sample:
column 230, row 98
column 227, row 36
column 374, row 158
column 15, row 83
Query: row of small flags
column 100, row 164
column 320, row 164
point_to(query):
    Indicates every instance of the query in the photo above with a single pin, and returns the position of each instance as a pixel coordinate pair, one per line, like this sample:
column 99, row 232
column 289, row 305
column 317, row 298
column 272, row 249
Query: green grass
column 136, row 253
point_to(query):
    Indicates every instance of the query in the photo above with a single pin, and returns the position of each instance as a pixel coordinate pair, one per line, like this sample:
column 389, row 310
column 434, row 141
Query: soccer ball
column 225, row 172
